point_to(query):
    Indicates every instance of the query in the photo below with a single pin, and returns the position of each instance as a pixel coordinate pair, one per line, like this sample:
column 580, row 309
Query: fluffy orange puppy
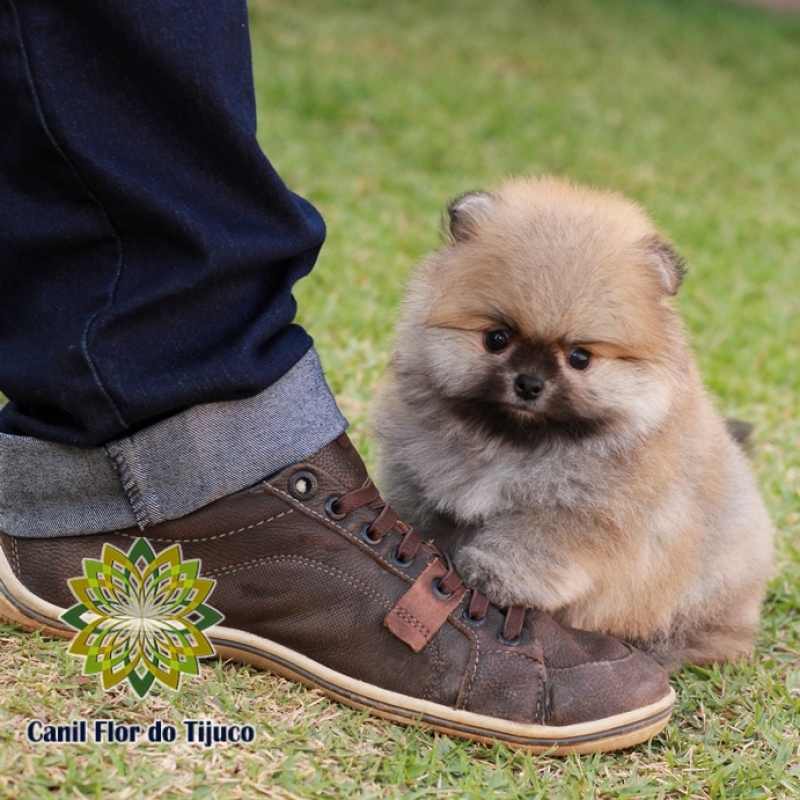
column 544, row 418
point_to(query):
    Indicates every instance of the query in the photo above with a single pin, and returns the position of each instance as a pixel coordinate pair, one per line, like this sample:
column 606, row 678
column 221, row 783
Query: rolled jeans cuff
column 169, row 469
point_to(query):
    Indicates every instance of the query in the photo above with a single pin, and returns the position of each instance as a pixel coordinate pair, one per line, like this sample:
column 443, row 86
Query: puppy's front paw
column 491, row 575
column 521, row 582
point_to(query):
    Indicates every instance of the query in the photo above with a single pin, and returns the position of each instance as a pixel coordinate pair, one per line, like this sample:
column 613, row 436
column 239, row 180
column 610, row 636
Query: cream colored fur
column 648, row 526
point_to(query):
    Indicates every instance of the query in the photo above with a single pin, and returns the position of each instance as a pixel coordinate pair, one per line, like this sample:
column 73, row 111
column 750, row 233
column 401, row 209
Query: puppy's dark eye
column 496, row 341
column 579, row 358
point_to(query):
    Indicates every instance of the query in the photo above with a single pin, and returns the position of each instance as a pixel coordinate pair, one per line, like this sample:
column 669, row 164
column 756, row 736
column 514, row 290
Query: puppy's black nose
column 528, row 387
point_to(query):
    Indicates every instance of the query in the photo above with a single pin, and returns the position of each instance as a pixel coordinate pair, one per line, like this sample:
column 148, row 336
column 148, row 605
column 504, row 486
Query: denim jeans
column 148, row 251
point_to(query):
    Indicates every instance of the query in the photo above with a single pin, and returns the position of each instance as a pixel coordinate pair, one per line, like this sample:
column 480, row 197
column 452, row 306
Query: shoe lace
column 368, row 496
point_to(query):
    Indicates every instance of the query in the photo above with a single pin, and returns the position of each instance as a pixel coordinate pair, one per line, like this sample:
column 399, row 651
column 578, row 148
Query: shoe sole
column 22, row 608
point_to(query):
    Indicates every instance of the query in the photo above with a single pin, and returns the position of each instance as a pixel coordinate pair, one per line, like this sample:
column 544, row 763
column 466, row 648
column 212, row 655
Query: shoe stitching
column 337, row 573
column 15, row 551
column 311, row 511
column 590, row 664
column 436, row 680
column 211, row 538
column 474, row 671
column 355, row 583
column 538, row 712
column 414, row 622
column 510, row 654
column 328, row 521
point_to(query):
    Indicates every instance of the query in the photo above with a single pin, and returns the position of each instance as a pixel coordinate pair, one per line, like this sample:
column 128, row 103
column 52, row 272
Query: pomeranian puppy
column 544, row 420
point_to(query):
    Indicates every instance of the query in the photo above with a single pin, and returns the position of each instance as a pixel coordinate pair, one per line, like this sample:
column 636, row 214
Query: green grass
column 379, row 112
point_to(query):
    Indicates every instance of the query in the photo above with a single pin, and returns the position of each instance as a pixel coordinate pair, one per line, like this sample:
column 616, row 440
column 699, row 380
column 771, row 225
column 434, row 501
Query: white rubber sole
column 21, row 607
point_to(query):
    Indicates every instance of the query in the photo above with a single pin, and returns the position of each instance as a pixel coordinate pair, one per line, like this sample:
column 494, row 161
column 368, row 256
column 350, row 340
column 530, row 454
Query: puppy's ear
column 465, row 213
column 668, row 265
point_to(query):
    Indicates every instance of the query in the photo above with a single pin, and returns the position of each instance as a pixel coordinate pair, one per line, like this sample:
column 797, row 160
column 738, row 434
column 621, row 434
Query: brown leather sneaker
column 320, row 583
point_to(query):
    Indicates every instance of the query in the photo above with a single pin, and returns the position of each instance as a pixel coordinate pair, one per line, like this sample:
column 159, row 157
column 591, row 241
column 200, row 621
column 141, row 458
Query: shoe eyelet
column 475, row 623
column 367, row 535
column 399, row 562
column 303, row 485
column 329, row 507
column 437, row 590
column 508, row 642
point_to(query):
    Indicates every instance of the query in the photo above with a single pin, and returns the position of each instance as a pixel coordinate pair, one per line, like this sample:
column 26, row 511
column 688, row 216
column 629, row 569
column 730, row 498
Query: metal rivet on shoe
column 509, row 642
column 399, row 562
column 367, row 535
column 303, row 485
column 437, row 590
column 470, row 620
column 329, row 507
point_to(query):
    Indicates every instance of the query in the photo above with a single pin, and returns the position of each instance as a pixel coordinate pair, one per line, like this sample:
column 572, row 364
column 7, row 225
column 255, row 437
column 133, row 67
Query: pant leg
column 147, row 246
column 147, row 255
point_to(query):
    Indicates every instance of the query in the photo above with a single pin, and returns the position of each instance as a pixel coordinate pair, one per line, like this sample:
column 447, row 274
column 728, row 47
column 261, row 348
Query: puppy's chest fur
column 550, row 478
column 469, row 479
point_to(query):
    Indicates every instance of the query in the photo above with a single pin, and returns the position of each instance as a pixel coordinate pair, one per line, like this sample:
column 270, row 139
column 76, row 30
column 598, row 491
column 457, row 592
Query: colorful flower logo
column 140, row 617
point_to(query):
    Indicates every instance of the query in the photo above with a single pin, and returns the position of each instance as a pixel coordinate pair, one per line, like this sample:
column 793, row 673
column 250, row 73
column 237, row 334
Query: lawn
column 379, row 112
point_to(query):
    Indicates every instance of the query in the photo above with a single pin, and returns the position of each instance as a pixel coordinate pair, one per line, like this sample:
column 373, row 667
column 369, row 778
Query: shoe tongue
column 342, row 462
